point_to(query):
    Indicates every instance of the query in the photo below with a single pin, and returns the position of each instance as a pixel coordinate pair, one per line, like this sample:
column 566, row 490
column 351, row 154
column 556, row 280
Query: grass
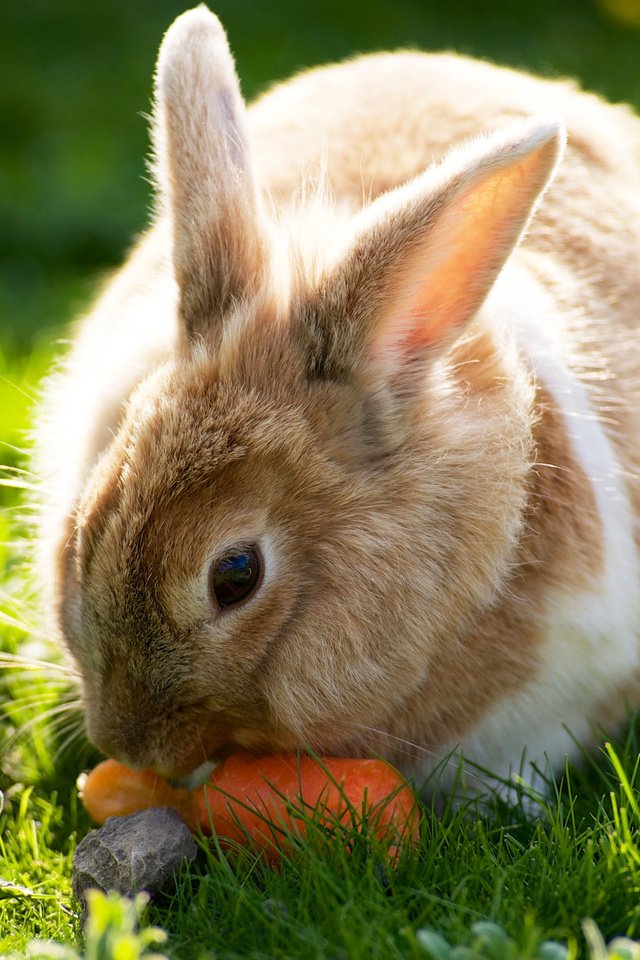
column 71, row 194
column 536, row 878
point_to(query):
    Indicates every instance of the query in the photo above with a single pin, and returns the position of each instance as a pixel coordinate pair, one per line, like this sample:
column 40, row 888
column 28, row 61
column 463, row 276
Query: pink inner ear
column 444, row 279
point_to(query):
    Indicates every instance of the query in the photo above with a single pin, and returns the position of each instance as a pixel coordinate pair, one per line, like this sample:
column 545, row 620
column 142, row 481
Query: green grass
column 536, row 877
column 75, row 78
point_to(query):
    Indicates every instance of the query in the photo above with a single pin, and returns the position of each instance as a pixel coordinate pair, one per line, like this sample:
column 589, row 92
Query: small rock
column 128, row 854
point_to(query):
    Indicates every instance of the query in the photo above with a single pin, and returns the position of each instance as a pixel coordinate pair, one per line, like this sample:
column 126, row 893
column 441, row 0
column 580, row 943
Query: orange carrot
column 113, row 790
column 252, row 799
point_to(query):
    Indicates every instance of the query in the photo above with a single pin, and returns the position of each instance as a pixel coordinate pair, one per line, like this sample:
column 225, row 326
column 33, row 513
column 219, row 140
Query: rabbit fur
column 334, row 345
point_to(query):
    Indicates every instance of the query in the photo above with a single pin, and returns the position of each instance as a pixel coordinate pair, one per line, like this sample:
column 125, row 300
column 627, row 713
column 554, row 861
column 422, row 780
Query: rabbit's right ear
column 420, row 261
column 204, row 171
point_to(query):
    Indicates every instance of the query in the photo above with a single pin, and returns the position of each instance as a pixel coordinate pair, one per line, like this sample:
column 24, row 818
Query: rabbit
column 346, row 454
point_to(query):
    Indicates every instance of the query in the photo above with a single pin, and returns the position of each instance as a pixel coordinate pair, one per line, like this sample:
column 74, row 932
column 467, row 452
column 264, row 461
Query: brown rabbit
column 336, row 460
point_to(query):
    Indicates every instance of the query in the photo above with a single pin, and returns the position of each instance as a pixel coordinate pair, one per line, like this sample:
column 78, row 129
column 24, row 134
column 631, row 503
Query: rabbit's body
column 442, row 488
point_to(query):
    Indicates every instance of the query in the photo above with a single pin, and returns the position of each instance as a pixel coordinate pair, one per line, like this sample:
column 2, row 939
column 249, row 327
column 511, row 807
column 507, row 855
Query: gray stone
column 128, row 854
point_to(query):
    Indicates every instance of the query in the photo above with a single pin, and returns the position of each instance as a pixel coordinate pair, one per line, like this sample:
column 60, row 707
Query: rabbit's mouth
column 243, row 740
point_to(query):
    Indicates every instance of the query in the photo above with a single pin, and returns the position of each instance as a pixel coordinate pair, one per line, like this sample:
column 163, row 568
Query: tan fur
column 325, row 378
column 503, row 647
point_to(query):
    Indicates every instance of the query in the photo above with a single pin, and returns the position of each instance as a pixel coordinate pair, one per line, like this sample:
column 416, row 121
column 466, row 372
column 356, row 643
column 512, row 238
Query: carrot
column 252, row 799
column 113, row 790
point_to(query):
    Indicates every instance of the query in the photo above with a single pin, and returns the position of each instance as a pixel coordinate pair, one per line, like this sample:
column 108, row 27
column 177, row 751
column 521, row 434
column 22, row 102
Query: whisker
column 10, row 383
column 55, row 696
column 14, row 477
column 48, row 667
column 22, row 706
column 410, row 747
column 51, row 718
column 11, row 446
column 67, row 733
column 26, row 504
column 11, row 620
column 65, row 745
column 70, row 721
column 15, row 468
column 204, row 751
column 61, row 709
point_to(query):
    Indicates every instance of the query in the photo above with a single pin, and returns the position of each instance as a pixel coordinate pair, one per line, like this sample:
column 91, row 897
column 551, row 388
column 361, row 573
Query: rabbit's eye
column 234, row 577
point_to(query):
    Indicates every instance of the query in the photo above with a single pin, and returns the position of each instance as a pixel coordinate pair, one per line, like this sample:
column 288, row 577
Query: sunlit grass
column 536, row 879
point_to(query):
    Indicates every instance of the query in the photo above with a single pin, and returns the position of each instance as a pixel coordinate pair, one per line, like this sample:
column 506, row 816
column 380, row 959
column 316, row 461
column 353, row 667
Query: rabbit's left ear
column 204, row 170
column 422, row 259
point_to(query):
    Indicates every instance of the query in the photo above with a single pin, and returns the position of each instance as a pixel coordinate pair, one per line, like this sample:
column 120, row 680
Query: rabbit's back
column 372, row 123
column 376, row 121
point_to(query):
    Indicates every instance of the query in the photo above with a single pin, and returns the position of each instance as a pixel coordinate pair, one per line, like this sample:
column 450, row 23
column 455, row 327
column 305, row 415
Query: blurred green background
column 75, row 81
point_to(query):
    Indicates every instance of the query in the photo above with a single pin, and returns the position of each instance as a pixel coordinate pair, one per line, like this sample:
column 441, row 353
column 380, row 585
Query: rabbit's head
column 302, row 508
